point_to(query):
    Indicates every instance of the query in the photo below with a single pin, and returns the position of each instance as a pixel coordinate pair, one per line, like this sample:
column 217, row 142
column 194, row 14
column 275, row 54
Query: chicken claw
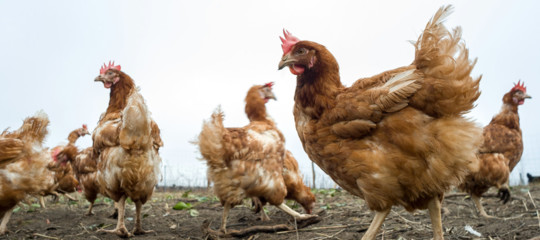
column 139, row 231
column 121, row 232
column 504, row 195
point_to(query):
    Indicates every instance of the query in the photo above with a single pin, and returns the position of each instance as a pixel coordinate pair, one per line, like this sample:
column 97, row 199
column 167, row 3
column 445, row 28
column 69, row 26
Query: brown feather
column 28, row 170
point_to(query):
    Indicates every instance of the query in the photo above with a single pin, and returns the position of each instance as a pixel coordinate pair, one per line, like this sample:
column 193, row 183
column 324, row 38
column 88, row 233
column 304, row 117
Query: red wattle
column 296, row 69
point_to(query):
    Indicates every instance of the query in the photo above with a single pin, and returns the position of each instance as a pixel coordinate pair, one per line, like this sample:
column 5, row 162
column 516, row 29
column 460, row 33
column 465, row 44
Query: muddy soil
column 343, row 217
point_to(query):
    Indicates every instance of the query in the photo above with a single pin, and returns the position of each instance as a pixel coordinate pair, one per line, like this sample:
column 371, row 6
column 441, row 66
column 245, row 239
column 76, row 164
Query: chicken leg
column 293, row 213
column 478, row 202
column 70, row 197
column 42, row 202
column 226, row 209
column 90, row 213
column 434, row 207
column 264, row 216
column 120, row 229
column 5, row 219
column 371, row 233
column 137, row 230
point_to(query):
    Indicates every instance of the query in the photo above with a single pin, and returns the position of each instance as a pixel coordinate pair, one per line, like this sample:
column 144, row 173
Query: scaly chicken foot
column 434, row 207
column 70, row 197
column 90, row 213
column 138, row 230
column 120, row 229
column 478, row 202
column 293, row 213
column 42, row 202
column 5, row 219
column 226, row 209
column 375, row 225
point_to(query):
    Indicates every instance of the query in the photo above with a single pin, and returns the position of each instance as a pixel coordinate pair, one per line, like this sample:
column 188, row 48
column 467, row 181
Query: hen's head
column 307, row 199
column 304, row 57
column 517, row 94
column 109, row 75
column 266, row 93
column 83, row 131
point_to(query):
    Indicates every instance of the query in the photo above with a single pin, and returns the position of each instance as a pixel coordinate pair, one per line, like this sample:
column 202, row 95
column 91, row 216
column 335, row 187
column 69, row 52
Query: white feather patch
column 469, row 229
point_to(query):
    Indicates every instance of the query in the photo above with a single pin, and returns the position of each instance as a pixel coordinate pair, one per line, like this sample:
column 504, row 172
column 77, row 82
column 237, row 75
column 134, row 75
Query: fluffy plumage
column 24, row 164
column 500, row 151
column 296, row 190
column 248, row 161
column 397, row 138
column 125, row 144
column 85, row 168
column 64, row 175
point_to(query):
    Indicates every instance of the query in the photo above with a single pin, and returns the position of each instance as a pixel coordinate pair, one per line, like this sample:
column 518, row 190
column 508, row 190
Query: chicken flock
column 399, row 138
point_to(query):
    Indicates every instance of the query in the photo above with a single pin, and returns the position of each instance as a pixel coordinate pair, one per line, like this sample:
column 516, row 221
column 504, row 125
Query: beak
column 99, row 79
column 272, row 96
column 286, row 60
column 527, row 96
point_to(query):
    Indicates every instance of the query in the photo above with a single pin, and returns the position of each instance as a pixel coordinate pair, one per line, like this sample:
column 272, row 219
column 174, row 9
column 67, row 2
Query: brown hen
column 500, row 152
column 125, row 144
column 248, row 161
column 397, row 138
column 296, row 190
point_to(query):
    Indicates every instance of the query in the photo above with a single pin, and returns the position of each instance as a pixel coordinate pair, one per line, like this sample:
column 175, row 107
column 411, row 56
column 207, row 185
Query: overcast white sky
column 190, row 56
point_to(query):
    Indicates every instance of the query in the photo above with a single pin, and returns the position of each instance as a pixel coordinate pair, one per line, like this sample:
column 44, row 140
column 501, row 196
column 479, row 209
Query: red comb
column 105, row 68
column 54, row 153
column 84, row 126
column 269, row 85
column 288, row 42
column 520, row 87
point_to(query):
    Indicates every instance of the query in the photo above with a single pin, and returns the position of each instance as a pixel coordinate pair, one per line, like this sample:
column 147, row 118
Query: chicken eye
column 301, row 51
column 109, row 73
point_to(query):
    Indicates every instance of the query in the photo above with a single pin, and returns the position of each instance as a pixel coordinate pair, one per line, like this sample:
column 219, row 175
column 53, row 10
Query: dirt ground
column 343, row 217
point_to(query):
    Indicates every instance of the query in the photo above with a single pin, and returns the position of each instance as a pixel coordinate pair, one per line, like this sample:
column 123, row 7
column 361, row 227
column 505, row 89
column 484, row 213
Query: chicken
column 125, row 144
column 248, row 161
column 24, row 164
column 64, row 176
column 397, row 138
column 500, row 152
column 296, row 190
column 533, row 179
